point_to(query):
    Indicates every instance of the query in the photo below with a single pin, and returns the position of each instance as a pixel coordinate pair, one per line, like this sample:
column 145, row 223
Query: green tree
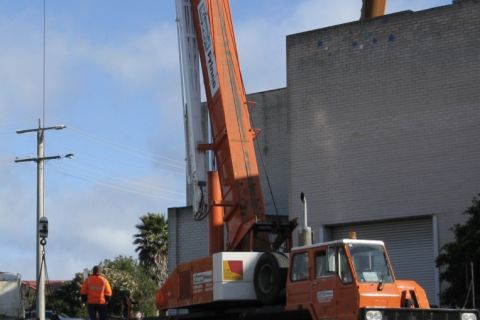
column 145, row 298
column 67, row 298
column 127, row 275
column 121, row 273
column 151, row 243
column 456, row 257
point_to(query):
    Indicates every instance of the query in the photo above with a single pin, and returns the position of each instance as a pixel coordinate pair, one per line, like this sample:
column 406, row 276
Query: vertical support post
column 473, row 285
column 215, row 225
column 321, row 234
column 436, row 251
column 40, row 308
column 42, row 222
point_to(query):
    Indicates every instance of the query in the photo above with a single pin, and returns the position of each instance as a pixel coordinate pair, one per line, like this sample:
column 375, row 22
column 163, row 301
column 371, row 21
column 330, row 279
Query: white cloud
column 21, row 65
column 84, row 227
column 139, row 60
column 261, row 40
column 17, row 201
column 99, row 223
column 88, row 224
column 312, row 14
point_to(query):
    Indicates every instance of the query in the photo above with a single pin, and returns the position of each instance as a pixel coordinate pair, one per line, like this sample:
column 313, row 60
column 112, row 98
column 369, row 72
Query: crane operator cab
column 340, row 279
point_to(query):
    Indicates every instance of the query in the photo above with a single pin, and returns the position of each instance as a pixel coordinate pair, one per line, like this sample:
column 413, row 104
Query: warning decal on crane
column 202, row 282
column 232, row 270
column 208, row 47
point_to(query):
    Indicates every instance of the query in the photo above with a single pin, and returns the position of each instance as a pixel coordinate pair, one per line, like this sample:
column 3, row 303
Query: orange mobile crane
column 256, row 273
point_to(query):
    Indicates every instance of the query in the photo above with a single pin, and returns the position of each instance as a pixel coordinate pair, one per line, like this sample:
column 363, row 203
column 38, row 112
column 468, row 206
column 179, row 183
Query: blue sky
column 112, row 78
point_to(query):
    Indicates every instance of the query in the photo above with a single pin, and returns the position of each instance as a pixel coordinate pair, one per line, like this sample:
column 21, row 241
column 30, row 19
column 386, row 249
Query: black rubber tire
column 270, row 278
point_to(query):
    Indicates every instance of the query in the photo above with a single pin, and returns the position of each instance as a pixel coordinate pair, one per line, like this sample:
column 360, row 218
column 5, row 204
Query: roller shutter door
column 409, row 245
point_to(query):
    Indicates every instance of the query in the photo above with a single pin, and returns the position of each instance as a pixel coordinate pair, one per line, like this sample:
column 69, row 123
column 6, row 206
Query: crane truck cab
column 341, row 279
column 352, row 279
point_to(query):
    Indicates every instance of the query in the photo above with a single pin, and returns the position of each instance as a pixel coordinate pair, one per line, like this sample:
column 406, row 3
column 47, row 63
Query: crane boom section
column 197, row 161
column 233, row 136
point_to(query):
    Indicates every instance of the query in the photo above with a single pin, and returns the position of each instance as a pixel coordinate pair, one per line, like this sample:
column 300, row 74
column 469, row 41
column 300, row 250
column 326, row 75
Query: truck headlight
column 469, row 316
column 377, row 315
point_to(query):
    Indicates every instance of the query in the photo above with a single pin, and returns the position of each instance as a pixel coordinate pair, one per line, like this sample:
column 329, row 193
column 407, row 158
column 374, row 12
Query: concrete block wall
column 271, row 146
column 384, row 117
column 187, row 238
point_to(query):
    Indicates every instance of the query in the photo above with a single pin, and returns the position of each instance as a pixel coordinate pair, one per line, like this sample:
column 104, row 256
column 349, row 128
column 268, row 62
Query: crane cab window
column 320, row 264
column 324, row 264
column 300, row 267
column 344, row 271
column 370, row 263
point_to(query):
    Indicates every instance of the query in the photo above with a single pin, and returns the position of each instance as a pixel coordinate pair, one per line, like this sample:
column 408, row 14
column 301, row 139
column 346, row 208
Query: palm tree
column 151, row 243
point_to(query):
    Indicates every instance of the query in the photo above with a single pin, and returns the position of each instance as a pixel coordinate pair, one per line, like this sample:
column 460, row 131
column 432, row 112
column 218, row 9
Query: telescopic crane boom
column 197, row 161
column 232, row 135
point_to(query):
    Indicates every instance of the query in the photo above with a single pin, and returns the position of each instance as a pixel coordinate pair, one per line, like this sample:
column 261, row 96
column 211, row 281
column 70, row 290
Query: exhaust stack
column 305, row 235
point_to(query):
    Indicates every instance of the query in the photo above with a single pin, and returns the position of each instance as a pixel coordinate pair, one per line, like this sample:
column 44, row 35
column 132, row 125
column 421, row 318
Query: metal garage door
column 409, row 244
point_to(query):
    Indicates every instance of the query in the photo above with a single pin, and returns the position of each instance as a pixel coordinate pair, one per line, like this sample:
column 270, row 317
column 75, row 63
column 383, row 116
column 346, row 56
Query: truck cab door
column 347, row 293
column 299, row 288
column 324, row 284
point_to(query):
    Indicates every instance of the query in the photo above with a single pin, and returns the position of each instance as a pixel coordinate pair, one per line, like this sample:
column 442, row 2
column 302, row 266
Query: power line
column 116, row 187
column 119, row 161
column 4, row 162
column 122, row 162
column 178, row 163
column 174, row 163
column 7, row 133
column 101, row 173
column 44, row 55
column 23, row 120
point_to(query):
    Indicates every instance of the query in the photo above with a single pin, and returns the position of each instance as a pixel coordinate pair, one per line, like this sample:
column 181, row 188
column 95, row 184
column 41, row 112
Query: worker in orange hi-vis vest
column 96, row 291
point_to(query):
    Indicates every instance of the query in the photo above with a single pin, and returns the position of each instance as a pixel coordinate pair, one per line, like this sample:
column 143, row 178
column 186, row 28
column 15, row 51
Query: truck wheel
column 270, row 277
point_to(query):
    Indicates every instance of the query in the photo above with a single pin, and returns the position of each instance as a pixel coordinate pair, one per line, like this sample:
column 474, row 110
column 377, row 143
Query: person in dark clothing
column 127, row 306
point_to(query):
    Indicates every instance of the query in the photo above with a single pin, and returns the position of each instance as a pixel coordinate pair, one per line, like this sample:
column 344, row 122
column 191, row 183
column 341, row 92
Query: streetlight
column 42, row 222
